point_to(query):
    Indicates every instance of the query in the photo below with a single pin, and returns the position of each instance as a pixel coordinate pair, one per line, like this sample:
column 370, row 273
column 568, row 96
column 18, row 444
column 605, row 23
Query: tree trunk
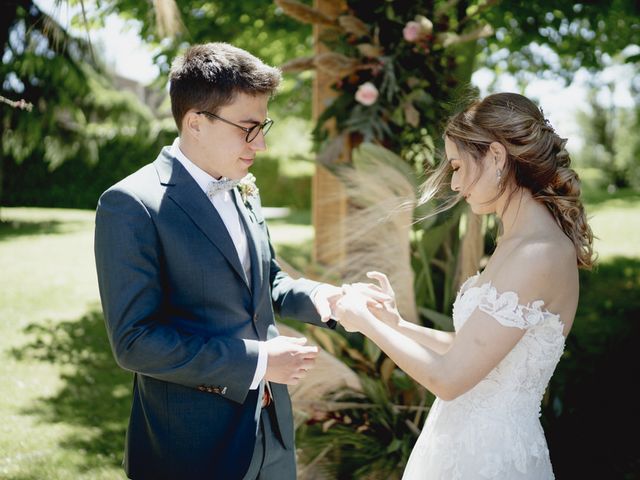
column 329, row 200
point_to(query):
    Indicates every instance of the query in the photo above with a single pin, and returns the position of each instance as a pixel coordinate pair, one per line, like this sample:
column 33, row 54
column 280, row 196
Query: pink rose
column 367, row 94
column 412, row 31
column 418, row 29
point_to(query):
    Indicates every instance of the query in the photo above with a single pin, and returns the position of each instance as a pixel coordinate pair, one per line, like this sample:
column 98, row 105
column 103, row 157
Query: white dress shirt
column 226, row 207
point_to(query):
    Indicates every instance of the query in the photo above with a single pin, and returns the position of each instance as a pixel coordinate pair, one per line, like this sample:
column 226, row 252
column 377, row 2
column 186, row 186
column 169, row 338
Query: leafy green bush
column 278, row 189
column 78, row 183
column 588, row 412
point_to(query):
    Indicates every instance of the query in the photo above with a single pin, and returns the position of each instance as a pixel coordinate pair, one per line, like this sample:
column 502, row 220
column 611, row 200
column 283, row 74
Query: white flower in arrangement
column 248, row 187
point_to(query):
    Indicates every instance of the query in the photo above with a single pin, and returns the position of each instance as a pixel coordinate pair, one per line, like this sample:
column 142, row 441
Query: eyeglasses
column 252, row 132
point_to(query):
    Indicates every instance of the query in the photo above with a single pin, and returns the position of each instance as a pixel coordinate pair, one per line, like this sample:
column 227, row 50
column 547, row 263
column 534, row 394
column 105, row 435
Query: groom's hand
column 325, row 298
column 289, row 359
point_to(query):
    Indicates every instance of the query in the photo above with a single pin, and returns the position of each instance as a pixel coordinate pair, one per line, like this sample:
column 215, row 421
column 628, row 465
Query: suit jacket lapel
column 253, row 240
column 184, row 191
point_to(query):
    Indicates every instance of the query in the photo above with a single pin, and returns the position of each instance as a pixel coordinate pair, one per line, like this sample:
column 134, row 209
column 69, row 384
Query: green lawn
column 64, row 404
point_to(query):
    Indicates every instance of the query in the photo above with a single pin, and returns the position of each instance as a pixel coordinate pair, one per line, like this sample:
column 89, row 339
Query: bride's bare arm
column 478, row 347
column 437, row 340
column 384, row 309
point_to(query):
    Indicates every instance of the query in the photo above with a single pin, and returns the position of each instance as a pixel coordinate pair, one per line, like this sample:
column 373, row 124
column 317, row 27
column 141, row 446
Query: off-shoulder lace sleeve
column 507, row 310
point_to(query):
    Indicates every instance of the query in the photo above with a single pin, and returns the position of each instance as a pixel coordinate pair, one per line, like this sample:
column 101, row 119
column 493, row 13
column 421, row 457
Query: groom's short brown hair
column 210, row 75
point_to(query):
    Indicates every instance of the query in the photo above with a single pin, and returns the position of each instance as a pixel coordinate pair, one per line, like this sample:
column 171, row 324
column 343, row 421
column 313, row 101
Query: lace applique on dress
column 493, row 430
column 504, row 307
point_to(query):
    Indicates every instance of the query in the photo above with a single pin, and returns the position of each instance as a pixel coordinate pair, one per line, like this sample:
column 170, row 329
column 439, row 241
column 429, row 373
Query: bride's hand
column 382, row 299
column 352, row 309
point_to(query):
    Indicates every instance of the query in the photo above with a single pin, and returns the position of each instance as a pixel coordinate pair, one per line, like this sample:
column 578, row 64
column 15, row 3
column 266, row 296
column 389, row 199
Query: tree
column 255, row 25
column 612, row 143
column 578, row 35
column 75, row 106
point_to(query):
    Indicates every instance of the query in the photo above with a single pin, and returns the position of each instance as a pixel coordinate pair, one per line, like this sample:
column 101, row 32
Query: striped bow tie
column 222, row 185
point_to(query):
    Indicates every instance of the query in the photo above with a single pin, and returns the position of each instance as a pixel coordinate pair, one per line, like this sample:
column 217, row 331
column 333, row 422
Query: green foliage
column 78, row 182
column 612, row 143
column 257, row 26
column 43, row 65
column 369, row 433
column 577, row 35
column 434, row 257
column 414, row 80
column 78, row 116
column 369, row 437
column 278, row 190
column 590, row 395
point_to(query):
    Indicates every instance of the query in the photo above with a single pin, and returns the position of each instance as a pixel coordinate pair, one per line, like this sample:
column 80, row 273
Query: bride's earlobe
column 499, row 156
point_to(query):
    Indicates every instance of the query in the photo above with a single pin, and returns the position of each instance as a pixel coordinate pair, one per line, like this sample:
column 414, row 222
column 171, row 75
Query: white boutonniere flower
column 248, row 188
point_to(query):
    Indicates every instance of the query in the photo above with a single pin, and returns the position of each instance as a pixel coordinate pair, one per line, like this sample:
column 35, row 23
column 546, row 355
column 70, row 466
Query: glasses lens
column 251, row 136
column 267, row 126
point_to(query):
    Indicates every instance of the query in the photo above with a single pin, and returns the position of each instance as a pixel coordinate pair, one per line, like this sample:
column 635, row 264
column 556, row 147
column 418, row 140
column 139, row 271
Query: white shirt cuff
column 261, row 368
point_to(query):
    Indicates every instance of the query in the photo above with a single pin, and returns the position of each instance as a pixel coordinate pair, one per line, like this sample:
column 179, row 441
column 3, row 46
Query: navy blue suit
column 181, row 314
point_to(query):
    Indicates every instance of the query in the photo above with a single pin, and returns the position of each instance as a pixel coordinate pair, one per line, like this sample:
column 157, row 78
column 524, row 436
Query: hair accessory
column 546, row 124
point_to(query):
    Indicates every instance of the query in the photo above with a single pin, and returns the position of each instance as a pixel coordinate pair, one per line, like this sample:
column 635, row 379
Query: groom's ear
column 191, row 123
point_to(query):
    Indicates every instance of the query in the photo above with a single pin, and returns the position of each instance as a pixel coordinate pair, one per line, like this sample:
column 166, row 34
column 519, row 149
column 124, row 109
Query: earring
column 499, row 174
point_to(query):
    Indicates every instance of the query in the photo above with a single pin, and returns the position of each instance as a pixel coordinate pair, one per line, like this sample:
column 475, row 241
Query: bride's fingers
column 371, row 291
column 368, row 288
column 363, row 285
column 376, row 297
column 383, row 280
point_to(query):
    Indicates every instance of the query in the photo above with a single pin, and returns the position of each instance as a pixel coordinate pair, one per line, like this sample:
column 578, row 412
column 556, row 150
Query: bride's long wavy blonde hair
column 536, row 160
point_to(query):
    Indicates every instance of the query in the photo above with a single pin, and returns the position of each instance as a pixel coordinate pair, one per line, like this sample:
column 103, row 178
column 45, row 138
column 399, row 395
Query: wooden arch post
column 329, row 200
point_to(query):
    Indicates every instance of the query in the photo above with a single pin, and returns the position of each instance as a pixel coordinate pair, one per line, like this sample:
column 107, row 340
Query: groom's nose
column 258, row 144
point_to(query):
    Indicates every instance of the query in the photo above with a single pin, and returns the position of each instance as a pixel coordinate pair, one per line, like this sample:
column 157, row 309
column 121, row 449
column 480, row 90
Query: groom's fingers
column 324, row 310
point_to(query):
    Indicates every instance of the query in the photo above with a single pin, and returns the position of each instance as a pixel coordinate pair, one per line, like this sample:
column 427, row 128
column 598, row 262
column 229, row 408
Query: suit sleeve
column 128, row 260
column 292, row 297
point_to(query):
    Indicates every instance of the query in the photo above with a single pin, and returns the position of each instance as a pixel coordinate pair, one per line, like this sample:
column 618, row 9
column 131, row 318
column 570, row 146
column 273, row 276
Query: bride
column 512, row 319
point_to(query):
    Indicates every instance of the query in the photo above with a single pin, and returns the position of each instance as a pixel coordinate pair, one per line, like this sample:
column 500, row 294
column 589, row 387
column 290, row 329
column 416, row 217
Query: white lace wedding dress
column 493, row 430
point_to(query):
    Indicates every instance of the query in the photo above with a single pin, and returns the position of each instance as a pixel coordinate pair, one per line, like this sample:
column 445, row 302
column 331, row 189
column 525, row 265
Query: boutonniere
column 248, row 188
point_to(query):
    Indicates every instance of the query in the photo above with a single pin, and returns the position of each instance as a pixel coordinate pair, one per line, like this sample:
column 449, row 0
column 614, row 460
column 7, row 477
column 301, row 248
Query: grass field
column 64, row 403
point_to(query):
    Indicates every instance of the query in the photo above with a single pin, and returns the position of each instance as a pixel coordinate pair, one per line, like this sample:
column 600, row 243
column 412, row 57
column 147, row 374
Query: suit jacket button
column 255, row 317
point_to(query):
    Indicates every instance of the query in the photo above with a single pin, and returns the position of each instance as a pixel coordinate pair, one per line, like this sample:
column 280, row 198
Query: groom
column 189, row 283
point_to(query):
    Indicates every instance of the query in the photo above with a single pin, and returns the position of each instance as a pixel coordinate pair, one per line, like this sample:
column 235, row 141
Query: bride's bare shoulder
column 539, row 268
